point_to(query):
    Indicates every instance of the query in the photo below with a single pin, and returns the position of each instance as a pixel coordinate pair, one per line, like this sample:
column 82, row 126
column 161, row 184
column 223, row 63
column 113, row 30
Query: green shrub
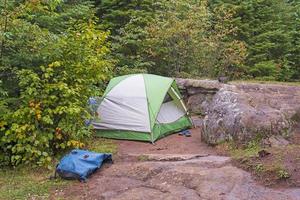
column 259, row 168
column 271, row 71
column 283, row 174
column 267, row 69
column 49, row 116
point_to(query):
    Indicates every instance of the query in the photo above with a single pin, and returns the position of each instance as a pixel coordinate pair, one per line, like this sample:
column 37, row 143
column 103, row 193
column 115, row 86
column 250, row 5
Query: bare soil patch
column 101, row 181
column 172, row 144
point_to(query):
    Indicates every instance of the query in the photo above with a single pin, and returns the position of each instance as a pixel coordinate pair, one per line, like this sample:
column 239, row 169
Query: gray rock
column 191, row 177
column 205, row 83
column 169, row 157
column 198, row 93
column 244, row 112
column 198, row 103
column 241, row 111
column 275, row 141
column 197, row 122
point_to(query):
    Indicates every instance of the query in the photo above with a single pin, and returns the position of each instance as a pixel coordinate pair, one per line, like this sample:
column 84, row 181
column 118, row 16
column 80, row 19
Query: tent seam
column 155, row 117
column 149, row 109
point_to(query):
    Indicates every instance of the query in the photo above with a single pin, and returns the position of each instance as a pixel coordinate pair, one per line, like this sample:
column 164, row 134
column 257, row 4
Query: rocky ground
column 176, row 167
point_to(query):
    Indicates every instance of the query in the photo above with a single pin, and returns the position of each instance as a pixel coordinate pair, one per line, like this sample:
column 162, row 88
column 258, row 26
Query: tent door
column 171, row 109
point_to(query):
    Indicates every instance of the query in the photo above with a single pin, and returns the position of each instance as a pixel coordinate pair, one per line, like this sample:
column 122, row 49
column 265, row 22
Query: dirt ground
column 172, row 144
column 288, row 158
column 296, row 136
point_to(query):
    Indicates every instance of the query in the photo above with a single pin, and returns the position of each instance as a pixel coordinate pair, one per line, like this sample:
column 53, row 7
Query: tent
column 141, row 107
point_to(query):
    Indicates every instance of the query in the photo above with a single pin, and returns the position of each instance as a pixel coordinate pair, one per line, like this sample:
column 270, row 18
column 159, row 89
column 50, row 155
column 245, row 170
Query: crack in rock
column 168, row 157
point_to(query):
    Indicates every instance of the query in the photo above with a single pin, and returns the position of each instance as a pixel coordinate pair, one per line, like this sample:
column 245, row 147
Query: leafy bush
column 265, row 69
column 259, row 168
column 270, row 71
column 283, row 174
column 50, row 113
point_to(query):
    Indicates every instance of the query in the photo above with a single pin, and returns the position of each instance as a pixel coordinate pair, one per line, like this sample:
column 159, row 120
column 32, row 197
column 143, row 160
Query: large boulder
column 241, row 111
column 198, row 94
column 247, row 111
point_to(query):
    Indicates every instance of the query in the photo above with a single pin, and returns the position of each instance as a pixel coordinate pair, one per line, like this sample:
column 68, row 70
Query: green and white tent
column 141, row 107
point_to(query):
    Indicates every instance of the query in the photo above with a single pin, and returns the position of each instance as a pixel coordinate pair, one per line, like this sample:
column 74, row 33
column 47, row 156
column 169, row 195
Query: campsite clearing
column 176, row 167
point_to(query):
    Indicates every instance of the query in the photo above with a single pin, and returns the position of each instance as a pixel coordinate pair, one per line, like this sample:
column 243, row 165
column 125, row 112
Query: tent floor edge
column 123, row 135
column 164, row 130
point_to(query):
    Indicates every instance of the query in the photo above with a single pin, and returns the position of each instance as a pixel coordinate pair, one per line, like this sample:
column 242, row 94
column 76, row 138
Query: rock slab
column 246, row 112
column 193, row 177
column 242, row 111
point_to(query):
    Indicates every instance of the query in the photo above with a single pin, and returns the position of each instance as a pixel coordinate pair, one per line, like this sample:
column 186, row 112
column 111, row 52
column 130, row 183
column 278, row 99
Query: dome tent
column 141, row 107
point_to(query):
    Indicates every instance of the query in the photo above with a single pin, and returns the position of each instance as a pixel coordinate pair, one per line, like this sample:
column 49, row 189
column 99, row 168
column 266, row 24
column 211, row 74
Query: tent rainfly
column 141, row 107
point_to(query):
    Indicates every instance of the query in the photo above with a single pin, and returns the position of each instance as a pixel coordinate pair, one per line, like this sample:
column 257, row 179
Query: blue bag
column 80, row 164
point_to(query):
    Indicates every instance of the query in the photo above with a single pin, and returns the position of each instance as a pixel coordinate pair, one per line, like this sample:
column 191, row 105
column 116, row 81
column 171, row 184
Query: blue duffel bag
column 80, row 164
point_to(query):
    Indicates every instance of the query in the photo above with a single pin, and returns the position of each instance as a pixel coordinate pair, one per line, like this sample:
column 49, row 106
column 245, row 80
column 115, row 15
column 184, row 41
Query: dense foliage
column 126, row 20
column 270, row 29
column 242, row 39
column 50, row 70
column 55, row 54
column 188, row 38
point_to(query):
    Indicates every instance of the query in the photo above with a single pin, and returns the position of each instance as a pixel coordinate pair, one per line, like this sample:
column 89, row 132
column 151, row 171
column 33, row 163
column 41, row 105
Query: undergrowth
column 26, row 182
column 267, row 164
